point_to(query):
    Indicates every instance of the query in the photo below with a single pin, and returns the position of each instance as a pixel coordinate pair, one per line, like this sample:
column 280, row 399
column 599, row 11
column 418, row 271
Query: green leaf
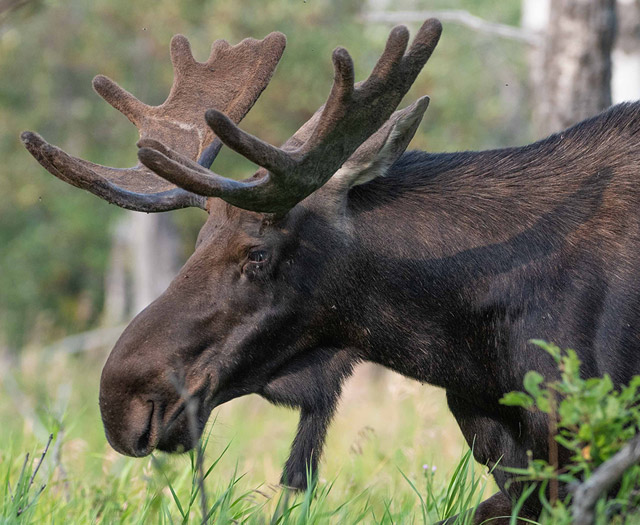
column 544, row 401
column 517, row 399
column 532, row 381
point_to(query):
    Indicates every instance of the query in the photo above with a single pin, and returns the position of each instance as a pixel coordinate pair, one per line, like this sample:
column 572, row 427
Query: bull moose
column 343, row 248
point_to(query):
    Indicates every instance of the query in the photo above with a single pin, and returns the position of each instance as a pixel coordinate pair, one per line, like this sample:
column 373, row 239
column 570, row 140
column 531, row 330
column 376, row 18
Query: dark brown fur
column 441, row 270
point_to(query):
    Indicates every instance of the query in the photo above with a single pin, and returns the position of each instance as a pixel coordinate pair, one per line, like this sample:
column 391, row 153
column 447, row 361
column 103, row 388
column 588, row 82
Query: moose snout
column 132, row 430
column 142, row 412
column 149, row 381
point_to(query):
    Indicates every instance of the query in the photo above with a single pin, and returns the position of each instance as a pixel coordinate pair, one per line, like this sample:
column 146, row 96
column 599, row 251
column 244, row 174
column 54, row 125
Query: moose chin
column 343, row 248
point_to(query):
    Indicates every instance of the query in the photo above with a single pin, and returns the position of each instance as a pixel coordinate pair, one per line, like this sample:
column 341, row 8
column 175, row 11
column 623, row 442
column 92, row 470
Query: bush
column 593, row 420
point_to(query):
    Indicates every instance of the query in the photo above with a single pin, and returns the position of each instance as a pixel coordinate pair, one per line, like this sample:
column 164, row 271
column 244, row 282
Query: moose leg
column 492, row 441
column 312, row 383
column 496, row 510
column 306, row 448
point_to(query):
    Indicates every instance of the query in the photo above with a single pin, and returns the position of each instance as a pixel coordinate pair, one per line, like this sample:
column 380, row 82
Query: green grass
column 377, row 468
column 165, row 493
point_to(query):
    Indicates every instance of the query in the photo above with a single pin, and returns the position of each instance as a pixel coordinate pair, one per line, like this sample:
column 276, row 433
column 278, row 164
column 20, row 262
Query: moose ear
column 376, row 155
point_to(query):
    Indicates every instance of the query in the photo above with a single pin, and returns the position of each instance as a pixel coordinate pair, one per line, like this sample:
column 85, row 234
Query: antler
column 351, row 115
column 231, row 80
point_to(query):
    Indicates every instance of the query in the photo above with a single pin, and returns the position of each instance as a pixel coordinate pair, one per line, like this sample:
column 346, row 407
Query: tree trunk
column 144, row 260
column 116, row 296
column 155, row 256
column 625, row 83
column 571, row 72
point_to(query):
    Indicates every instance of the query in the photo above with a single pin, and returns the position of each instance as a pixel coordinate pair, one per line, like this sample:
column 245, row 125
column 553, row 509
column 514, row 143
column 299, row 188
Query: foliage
column 460, row 497
column 593, row 419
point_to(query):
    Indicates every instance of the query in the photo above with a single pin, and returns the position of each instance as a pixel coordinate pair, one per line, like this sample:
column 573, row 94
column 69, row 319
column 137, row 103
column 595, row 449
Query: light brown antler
column 231, row 80
column 351, row 115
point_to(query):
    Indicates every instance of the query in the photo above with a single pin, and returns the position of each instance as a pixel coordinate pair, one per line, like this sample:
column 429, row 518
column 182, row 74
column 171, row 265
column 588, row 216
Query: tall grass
column 173, row 497
column 18, row 501
column 386, row 430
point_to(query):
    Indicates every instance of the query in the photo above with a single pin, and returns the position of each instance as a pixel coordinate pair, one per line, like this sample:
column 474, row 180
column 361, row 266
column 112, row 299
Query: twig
column 24, row 466
column 57, row 463
column 84, row 341
column 458, row 16
column 191, row 410
column 22, row 510
column 32, row 502
column 203, row 495
column 39, row 464
column 553, row 449
column 602, row 479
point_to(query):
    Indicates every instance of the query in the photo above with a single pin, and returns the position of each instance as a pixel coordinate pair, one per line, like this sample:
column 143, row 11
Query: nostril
column 144, row 445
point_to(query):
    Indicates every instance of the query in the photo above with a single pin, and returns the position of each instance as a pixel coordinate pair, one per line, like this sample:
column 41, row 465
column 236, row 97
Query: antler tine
column 201, row 181
column 120, row 99
column 257, row 151
column 337, row 105
column 278, row 160
column 344, row 75
column 377, row 97
column 351, row 115
column 230, row 80
column 422, row 47
column 392, row 54
column 181, row 55
column 57, row 162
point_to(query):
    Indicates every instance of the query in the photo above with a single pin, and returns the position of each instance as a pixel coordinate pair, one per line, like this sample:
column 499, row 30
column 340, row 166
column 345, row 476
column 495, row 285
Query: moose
column 343, row 248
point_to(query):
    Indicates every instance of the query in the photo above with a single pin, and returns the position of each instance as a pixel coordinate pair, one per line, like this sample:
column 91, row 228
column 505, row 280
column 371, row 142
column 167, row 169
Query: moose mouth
column 182, row 429
column 183, row 426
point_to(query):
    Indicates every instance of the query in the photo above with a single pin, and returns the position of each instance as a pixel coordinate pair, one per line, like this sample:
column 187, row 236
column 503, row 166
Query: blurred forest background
column 72, row 264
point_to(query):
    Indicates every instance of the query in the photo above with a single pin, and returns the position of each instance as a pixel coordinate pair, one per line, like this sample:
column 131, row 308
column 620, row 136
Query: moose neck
column 459, row 255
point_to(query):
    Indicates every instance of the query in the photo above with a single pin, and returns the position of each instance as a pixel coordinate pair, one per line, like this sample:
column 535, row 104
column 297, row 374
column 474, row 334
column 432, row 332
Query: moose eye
column 257, row 256
column 255, row 263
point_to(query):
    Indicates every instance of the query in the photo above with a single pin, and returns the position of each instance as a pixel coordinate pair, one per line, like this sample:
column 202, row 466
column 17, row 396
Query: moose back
column 343, row 248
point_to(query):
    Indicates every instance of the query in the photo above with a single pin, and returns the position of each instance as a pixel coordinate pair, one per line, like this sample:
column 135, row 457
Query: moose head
column 262, row 306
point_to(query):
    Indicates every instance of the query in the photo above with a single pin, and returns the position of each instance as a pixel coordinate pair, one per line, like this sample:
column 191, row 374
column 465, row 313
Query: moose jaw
column 343, row 248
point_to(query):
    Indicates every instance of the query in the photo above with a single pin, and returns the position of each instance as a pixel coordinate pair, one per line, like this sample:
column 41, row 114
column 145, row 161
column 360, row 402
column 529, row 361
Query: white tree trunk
column 535, row 15
column 535, row 18
column 116, row 297
column 571, row 72
column 155, row 249
column 625, row 82
column 144, row 260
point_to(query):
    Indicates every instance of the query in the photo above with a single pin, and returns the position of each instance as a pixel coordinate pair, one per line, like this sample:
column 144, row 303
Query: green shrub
column 593, row 420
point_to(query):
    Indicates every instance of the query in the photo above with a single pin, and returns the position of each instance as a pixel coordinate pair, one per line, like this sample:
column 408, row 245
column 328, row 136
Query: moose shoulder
column 342, row 248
